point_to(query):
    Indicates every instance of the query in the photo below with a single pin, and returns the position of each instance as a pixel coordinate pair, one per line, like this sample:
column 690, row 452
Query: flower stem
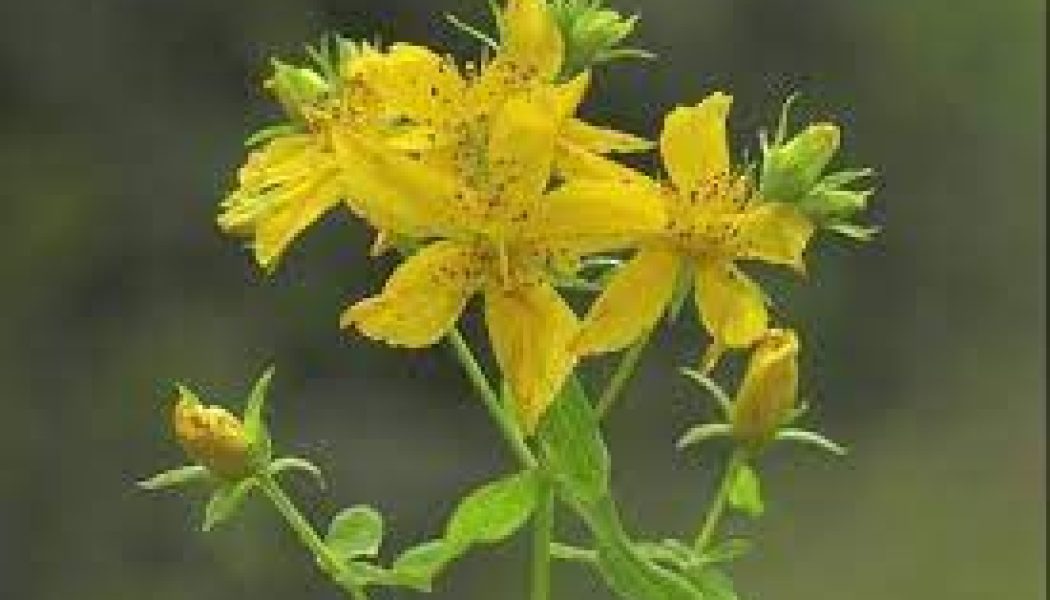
column 623, row 374
column 491, row 399
column 720, row 502
column 543, row 535
column 328, row 562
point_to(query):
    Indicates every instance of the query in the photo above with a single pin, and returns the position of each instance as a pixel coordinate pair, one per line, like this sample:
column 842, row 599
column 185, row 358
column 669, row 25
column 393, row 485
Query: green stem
column 329, row 562
column 543, row 534
column 491, row 400
column 720, row 502
column 624, row 371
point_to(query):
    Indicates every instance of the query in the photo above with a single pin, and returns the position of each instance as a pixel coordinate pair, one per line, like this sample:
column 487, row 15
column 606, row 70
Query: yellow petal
column 569, row 96
column 403, row 195
column 598, row 215
column 574, row 162
column 410, row 82
column 693, row 142
column 601, row 140
column 732, row 306
column 521, row 152
column 531, row 38
column 631, row 304
column 284, row 188
column 530, row 327
column 423, row 298
column 775, row 233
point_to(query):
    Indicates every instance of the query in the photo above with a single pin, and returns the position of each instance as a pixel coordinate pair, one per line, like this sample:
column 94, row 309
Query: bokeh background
column 122, row 123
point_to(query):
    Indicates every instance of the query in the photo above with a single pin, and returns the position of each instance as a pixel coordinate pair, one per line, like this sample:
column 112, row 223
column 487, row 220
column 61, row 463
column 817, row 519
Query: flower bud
column 212, row 437
column 296, row 88
column 769, row 390
column 592, row 34
column 791, row 169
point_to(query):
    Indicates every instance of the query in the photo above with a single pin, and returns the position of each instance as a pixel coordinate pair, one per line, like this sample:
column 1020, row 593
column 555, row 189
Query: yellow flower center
column 706, row 221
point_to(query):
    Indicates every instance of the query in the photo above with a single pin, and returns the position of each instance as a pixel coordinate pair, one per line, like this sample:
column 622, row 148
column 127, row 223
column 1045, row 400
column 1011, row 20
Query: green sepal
column 179, row 477
column 725, row 403
column 254, row 420
column 745, row 493
column 685, row 278
column 811, row 438
column 494, row 511
column 271, row 132
column 725, row 551
column 224, row 502
column 187, row 395
column 294, row 463
column 572, row 446
column 354, row 532
column 861, row 233
column 703, row 433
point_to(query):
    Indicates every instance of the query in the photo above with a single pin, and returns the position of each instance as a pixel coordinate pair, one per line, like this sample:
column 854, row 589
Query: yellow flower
column 498, row 232
column 769, row 390
column 412, row 100
column 212, row 437
column 713, row 218
column 295, row 177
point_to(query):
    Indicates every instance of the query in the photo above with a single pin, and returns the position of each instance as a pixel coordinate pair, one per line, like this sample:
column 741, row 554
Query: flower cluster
column 484, row 177
column 484, row 180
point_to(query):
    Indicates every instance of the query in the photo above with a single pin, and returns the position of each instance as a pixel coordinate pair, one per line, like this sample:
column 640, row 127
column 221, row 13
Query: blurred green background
column 122, row 125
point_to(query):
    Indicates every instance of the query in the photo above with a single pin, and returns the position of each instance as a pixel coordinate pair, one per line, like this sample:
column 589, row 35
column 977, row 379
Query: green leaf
column 176, row 478
column 418, row 566
column 356, row 531
column 745, row 494
column 494, row 511
column 225, row 501
column 811, row 438
column 293, row 463
column 572, row 446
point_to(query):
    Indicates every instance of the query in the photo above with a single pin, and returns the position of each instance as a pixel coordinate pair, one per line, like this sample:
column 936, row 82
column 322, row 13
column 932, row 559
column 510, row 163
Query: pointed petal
column 631, row 304
column 423, row 298
column 598, row 215
column 409, row 82
column 531, row 39
column 521, row 151
column 284, row 188
column 530, row 327
column 693, row 142
column 600, row 140
column 402, row 195
column 775, row 233
column 732, row 306
column 574, row 162
column 570, row 95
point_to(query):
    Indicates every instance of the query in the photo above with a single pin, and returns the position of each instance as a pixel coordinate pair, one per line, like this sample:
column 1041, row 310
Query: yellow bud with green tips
column 212, row 436
column 768, row 394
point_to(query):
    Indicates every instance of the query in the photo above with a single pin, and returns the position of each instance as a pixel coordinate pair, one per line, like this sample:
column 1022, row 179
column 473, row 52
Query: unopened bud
column 769, row 390
column 791, row 169
column 592, row 34
column 212, row 437
column 296, row 88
